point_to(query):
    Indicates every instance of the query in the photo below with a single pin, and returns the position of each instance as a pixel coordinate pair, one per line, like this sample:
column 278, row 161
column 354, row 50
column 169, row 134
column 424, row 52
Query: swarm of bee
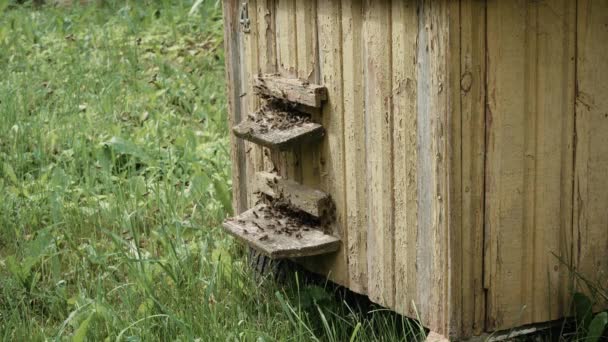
column 275, row 116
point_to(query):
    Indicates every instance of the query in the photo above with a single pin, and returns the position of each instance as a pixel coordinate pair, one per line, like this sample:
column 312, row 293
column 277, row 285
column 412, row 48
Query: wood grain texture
column 453, row 161
column 432, row 111
column 465, row 144
column 290, row 89
column 591, row 168
column 354, row 144
column 529, row 168
column 253, row 152
column 280, row 139
column 329, row 30
column 287, row 60
column 233, row 90
column 379, row 121
column 258, row 233
column 267, row 52
column 308, row 69
column 404, row 83
column 309, row 200
column 471, row 88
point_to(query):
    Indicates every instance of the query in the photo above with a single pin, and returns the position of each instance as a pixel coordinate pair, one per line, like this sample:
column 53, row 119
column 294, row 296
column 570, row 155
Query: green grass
column 114, row 179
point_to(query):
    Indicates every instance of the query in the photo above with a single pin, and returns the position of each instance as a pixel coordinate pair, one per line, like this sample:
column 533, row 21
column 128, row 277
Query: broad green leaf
column 81, row 333
column 223, row 194
column 122, row 146
column 583, row 310
column 10, row 173
column 145, row 307
column 14, row 268
column 597, row 327
column 3, row 5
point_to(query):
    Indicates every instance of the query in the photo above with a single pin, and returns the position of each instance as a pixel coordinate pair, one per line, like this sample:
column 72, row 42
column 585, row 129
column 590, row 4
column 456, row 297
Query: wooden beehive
column 462, row 144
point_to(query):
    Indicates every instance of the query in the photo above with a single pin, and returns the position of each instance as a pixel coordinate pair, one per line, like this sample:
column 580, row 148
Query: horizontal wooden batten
column 290, row 89
column 311, row 201
column 278, row 237
column 281, row 139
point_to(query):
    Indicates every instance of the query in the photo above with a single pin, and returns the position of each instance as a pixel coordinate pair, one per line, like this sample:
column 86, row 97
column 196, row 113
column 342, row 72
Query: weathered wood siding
column 590, row 221
column 531, row 68
column 466, row 147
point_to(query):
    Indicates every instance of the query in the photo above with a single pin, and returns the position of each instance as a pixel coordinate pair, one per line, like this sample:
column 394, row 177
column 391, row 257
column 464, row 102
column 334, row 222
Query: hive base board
column 258, row 233
column 279, row 139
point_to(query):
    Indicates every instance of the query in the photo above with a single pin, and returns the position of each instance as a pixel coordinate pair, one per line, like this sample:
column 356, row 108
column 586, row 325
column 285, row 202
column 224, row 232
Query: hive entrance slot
column 276, row 127
column 284, row 121
column 288, row 221
column 280, row 234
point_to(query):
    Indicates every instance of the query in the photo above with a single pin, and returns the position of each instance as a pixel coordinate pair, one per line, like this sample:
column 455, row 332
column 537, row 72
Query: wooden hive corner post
column 450, row 71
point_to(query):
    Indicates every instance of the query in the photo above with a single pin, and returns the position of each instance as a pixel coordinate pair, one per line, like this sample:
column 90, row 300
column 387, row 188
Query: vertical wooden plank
column 354, row 147
column 253, row 152
column 504, row 169
column 441, row 15
column 287, row 58
column 426, row 190
column 456, row 293
column 332, row 150
column 591, row 168
column 232, row 46
column 379, row 121
column 404, row 40
column 472, row 91
column 528, row 173
column 287, row 46
column 306, row 24
column 433, row 109
column 554, row 157
column 267, row 52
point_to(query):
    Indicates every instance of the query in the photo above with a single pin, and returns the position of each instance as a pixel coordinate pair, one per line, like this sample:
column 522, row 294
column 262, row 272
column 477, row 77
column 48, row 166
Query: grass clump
column 114, row 179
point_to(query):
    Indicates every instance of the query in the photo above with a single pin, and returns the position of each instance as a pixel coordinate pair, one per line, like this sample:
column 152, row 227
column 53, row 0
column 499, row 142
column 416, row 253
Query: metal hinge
column 244, row 20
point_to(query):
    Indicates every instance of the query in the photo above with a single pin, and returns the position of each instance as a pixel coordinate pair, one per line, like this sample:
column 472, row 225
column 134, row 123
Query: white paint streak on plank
column 379, row 120
column 354, row 144
column 404, row 40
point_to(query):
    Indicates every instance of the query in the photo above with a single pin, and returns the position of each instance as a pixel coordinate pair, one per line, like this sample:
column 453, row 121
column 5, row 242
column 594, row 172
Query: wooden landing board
column 260, row 233
column 279, row 139
column 290, row 89
column 312, row 201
